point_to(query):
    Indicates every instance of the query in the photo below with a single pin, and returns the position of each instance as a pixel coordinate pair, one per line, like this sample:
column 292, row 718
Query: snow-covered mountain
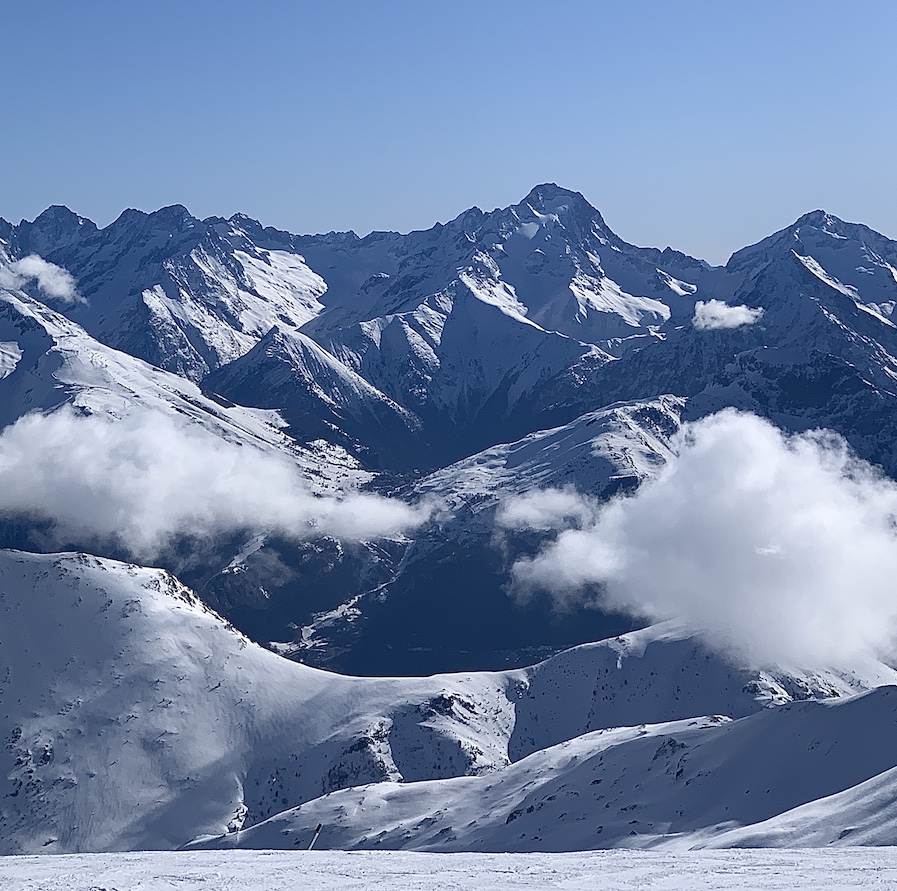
column 184, row 294
column 431, row 352
column 456, row 370
column 820, row 355
column 457, row 565
column 50, row 362
column 409, row 351
column 51, row 366
column 491, row 326
column 133, row 717
column 465, row 322
column 321, row 398
column 459, row 325
column 683, row 784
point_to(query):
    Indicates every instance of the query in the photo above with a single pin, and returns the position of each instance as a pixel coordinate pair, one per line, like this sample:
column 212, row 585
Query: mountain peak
column 58, row 214
column 819, row 219
column 172, row 218
column 242, row 219
column 173, row 214
column 803, row 230
column 554, row 200
column 548, row 196
column 828, row 224
column 56, row 227
column 552, row 205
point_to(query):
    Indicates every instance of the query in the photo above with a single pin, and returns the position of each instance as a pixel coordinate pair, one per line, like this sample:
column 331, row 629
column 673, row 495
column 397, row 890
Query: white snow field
column 734, row 870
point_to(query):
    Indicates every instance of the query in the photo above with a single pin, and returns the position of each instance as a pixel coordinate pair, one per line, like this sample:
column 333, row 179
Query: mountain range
column 159, row 691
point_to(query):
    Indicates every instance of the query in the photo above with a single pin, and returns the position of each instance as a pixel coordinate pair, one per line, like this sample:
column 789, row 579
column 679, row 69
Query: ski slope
column 870, row 869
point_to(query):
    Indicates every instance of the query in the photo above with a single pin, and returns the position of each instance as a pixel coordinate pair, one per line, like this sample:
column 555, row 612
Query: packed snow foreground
column 811, row 870
column 136, row 718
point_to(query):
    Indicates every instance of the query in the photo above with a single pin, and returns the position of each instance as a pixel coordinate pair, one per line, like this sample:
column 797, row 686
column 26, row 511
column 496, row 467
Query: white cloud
column 544, row 510
column 54, row 281
column 147, row 478
column 716, row 314
column 780, row 550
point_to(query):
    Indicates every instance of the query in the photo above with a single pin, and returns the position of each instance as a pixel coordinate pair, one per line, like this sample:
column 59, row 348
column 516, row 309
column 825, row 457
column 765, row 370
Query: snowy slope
column 51, row 361
column 321, row 398
column 184, row 294
column 456, row 566
column 808, row 870
column 135, row 718
column 620, row 443
column 634, row 786
column 865, row 814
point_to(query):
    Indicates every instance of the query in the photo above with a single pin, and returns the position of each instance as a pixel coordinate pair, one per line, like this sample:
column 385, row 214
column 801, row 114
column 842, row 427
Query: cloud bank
column 54, row 281
column 146, row 479
column 780, row 550
column 715, row 314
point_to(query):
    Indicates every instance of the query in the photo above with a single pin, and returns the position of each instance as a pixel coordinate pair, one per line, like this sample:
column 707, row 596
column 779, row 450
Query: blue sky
column 704, row 125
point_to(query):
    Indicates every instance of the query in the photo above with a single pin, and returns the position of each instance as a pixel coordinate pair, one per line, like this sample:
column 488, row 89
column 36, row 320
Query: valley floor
column 732, row 870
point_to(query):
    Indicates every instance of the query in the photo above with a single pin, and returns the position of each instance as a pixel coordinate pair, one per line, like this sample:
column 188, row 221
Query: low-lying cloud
column 53, row 281
column 146, row 479
column 778, row 549
column 545, row 510
column 715, row 314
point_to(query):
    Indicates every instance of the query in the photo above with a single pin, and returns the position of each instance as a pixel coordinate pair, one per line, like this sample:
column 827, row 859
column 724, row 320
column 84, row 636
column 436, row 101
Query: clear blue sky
column 704, row 125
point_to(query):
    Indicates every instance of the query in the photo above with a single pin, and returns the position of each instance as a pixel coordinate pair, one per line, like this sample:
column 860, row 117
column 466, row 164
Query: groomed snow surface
column 739, row 870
